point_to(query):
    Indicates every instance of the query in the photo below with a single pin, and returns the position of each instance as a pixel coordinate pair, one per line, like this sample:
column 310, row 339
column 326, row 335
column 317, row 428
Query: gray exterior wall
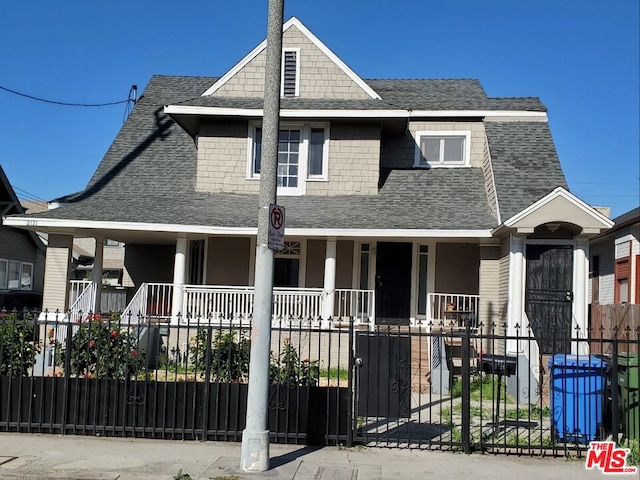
column 315, row 263
column 149, row 263
column 489, row 284
column 228, row 261
column 18, row 245
column 344, row 264
column 354, row 159
column 319, row 76
column 398, row 151
column 457, row 268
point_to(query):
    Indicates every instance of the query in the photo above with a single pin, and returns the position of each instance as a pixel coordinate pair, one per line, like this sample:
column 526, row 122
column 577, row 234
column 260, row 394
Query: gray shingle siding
column 525, row 163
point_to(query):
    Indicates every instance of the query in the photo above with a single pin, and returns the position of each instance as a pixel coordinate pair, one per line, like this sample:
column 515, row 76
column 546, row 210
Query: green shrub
column 229, row 355
column 17, row 349
column 102, row 350
column 288, row 368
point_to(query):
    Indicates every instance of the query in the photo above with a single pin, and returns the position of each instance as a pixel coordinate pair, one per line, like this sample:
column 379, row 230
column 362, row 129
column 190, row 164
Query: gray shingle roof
column 525, row 163
column 428, row 94
column 409, row 199
column 148, row 174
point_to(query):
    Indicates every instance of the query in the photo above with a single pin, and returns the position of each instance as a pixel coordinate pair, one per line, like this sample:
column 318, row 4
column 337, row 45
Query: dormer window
column 442, row 149
column 290, row 72
column 302, row 155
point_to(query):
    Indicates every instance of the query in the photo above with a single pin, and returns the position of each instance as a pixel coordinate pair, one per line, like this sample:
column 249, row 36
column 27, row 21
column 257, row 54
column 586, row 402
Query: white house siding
column 606, row 278
column 398, row 151
column 57, row 271
column 228, row 261
column 319, row 76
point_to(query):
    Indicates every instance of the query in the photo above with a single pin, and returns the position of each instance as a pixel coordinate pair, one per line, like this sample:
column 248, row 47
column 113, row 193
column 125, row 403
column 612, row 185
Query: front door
column 393, row 283
column 549, row 295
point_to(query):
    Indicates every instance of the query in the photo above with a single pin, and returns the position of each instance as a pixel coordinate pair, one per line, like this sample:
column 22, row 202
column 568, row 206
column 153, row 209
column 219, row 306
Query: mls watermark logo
column 608, row 458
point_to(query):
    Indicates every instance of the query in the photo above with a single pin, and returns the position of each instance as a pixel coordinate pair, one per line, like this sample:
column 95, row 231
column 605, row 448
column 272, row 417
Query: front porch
column 229, row 305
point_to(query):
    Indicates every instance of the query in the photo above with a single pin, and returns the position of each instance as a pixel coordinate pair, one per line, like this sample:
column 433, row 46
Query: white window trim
column 443, row 133
column 297, row 87
column 303, row 177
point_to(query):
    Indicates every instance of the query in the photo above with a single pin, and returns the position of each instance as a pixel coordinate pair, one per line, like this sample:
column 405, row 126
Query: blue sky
column 581, row 57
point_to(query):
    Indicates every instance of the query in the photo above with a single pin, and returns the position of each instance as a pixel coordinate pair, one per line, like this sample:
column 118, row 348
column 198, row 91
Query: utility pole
column 254, row 455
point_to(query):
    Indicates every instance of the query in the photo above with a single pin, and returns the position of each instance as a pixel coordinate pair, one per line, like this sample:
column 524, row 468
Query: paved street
column 35, row 456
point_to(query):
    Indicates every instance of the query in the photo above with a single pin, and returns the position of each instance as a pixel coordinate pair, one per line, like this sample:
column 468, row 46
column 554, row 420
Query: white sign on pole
column 276, row 227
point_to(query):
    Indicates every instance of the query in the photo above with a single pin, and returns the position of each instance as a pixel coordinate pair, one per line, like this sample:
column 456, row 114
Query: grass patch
column 526, row 413
column 483, row 387
column 334, row 373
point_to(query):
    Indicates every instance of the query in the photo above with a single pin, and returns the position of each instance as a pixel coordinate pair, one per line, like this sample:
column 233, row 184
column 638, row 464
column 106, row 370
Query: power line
column 134, row 89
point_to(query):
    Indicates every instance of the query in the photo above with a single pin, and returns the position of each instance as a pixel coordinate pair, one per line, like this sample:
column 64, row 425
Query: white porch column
column 98, row 260
column 516, row 290
column 580, row 286
column 179, row 275
column 329, row 288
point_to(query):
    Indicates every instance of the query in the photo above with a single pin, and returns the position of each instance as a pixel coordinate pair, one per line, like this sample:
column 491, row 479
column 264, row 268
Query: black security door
column 549, row 295
column 393, row 283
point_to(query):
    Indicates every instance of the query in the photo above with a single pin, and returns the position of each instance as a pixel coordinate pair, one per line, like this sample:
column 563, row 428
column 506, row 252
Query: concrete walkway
column 36, row 456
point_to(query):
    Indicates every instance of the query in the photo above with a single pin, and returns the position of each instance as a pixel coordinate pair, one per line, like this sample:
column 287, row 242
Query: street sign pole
column 254, row 456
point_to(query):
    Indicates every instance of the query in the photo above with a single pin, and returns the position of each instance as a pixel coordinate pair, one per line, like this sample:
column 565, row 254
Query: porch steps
column 420, row 364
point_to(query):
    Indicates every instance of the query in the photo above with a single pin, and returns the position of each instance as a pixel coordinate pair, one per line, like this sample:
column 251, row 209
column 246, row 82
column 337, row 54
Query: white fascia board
column 284, row 113
column 293, row 21
column 300, row 113
column 55, row 223
column 476, row 113
column 559, row 192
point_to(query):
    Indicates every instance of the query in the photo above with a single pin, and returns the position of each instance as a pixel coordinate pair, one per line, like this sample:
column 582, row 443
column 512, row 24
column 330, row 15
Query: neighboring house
column 22, row 253
column 615, row 262
column 401, row 197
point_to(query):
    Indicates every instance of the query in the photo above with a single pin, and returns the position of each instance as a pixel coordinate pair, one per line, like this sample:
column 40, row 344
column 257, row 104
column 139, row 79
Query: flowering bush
column 288, row 368
column 101, row 350
column 229, row 355
column 17, row 349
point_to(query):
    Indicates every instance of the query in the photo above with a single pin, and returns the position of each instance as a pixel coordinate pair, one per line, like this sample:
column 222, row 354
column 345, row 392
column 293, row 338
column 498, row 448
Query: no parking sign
column 276, row 228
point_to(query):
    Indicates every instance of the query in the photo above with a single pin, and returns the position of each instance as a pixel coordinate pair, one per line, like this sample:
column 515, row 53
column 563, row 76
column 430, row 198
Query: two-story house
column 404, row 199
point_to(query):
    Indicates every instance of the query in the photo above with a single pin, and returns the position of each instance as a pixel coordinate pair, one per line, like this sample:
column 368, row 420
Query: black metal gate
column 549, row 295
column 384, row 375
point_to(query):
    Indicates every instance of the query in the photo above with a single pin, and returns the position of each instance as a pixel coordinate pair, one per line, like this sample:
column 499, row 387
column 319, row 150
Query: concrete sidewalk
column 36, row 456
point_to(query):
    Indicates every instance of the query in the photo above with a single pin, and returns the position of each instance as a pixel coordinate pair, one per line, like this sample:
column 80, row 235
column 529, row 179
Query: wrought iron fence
column 442, row 386
column 118, row 377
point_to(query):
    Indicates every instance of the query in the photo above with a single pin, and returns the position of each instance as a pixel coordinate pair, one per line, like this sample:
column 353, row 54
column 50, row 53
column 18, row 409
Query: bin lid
column 570, row 360
column 629, row 359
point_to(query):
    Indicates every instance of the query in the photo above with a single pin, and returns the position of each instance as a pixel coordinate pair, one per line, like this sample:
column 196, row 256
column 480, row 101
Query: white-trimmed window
column 423, row 259
column 442, row 149
column 290, row 85
column 16, row 275
column 303, row 155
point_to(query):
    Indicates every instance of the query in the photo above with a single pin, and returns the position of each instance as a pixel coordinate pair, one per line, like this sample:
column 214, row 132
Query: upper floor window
column 290, row 86
column 302, row 156
column 442, row 149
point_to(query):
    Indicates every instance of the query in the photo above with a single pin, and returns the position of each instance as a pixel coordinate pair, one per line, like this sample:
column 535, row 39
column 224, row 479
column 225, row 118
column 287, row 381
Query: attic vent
column 290, row 73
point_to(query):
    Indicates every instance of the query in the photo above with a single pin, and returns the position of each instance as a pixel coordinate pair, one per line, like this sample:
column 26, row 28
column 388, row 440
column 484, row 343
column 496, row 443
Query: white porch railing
column 234, row 304
column 451, row 306
column 84, row 303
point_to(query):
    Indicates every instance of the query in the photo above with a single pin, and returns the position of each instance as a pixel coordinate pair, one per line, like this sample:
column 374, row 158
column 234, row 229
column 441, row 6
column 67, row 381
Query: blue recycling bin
column 577, row 396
